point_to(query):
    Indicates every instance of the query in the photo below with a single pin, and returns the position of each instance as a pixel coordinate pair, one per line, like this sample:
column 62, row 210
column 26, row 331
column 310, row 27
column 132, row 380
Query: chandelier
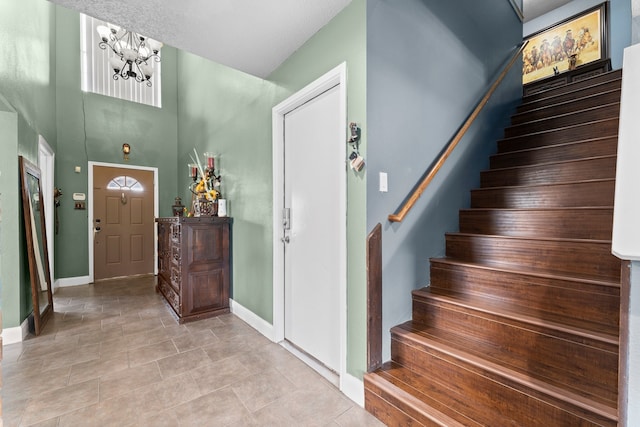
column 134, row 53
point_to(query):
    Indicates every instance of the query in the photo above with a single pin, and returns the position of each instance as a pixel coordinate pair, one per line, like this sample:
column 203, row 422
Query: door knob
column 285, row 239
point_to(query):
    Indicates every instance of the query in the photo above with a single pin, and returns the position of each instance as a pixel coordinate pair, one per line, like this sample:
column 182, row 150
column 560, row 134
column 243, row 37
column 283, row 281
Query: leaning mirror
column 36, row 237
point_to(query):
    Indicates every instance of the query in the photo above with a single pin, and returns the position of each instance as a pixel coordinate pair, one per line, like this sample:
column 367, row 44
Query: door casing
column 337, row 76
column 90, row 213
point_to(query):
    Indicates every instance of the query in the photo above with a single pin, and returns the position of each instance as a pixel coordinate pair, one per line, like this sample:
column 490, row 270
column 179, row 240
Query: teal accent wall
column 93, row 127
column 343, row 40
column 27, row 99
column 428, row 64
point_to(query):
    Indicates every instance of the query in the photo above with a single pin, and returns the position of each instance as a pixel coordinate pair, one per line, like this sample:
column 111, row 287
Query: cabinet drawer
column 170, row 296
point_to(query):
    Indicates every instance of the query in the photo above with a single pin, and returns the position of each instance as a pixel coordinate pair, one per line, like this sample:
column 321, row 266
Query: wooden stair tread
column 546, row 185
column 522, row 314
column 567, row 256
column 549, row 163
column 542, row 387
column 556, row 145
column 600, row 112
column 543, row 133
column 549, row 106
column 584, row 85
column 505, row 142
column 390, row 386
column 509, row 268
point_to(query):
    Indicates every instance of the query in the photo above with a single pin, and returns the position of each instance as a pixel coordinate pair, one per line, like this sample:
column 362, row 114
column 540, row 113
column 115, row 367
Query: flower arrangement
column 205, row 186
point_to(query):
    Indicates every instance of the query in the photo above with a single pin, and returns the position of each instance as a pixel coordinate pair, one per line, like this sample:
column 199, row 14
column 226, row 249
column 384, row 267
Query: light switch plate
column 384, row 184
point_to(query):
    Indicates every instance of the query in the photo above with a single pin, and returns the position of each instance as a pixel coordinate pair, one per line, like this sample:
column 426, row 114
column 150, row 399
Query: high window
column 97, row 74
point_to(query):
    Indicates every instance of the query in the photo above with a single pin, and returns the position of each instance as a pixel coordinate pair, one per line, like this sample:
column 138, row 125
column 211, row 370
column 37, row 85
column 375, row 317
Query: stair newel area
column 520, row 323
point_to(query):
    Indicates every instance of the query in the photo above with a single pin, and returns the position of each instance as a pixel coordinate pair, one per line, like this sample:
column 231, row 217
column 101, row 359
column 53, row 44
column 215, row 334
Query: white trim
column 252, row 319
column 47, row 175
column 66, row 282
column 625, row 241
column 337, row 76
column 15, row 334
column 90, row 208
column 353, row 388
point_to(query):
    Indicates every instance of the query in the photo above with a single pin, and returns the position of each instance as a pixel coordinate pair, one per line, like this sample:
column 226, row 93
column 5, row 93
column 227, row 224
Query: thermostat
column 79, row 196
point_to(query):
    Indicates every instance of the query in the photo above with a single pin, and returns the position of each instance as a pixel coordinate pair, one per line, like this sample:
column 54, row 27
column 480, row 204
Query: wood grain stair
column 520, row 323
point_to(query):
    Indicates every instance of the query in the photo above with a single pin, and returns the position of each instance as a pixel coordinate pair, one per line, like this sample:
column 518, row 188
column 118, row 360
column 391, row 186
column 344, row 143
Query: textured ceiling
column 254, row 36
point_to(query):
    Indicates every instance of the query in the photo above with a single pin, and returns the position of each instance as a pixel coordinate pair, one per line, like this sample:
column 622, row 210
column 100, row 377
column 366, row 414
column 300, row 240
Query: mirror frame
column 28, row 169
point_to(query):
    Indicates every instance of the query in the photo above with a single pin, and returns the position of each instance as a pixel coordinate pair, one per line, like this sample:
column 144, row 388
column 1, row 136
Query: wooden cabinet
column 194, row 265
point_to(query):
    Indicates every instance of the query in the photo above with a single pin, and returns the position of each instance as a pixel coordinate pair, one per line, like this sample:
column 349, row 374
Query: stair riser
column 579, row 170
column 601, row 129
column 530, row 104
column 561, row 223
column 387, row 412
column 566, row 107
column 558, row 122
column 594, row 194
column 556, row 153
column 595, row 84
column 394, row 409
column 532, row 349
column 591, row 259
column 492, row 400
column 571, row 299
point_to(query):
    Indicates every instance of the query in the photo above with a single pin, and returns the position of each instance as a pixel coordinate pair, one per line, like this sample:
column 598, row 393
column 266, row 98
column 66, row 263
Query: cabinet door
column 207, row 265
column 164, row 254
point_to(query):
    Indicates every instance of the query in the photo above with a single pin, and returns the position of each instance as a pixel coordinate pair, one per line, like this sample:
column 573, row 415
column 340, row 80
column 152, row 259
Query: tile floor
column 112, row 355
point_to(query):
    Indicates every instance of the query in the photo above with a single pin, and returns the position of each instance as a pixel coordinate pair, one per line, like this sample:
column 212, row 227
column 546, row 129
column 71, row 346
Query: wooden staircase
column 519, row 326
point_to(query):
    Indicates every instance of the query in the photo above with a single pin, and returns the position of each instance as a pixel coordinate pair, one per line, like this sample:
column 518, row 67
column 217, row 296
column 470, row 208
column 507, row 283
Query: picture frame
column 581, row 39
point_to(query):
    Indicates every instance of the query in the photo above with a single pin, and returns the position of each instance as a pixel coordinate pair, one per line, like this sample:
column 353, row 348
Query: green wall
column 343, row 40
column 228, row 112
column 93, row 128
column 27, row 90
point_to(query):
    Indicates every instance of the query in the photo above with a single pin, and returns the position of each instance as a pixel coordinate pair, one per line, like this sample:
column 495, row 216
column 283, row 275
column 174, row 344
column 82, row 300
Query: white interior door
column 314, row 162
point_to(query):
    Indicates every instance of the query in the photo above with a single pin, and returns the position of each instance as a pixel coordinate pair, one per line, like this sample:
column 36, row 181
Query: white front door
column 314, row 162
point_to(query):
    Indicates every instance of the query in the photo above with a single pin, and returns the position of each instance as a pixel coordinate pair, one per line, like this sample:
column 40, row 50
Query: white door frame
column 46, row 162
column 90, row 209
column 337, row 76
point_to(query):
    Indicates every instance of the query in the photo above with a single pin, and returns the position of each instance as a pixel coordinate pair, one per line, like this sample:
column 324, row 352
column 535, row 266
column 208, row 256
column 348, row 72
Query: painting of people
column 580, row 39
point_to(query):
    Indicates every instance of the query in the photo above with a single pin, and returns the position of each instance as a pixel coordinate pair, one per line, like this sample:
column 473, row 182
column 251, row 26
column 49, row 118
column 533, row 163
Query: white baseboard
column 15, row 334
column 255, row 321
column 65, row 282
column 353, row 388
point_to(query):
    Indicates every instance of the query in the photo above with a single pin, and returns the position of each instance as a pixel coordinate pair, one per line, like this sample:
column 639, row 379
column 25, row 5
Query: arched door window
column 125, row 183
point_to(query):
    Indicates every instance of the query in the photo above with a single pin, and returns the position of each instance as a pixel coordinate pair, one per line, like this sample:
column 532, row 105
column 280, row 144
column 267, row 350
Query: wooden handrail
column 409, row 202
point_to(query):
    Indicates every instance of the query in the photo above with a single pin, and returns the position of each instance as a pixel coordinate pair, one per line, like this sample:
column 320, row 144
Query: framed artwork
column 571, row 43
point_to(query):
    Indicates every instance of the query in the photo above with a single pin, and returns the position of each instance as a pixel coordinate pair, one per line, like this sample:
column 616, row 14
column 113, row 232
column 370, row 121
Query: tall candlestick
column 210, row 160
